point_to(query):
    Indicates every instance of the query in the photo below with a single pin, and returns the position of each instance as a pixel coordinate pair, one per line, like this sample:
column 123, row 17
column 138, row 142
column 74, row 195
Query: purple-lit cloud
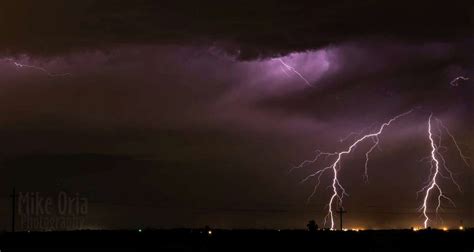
column 215, row 116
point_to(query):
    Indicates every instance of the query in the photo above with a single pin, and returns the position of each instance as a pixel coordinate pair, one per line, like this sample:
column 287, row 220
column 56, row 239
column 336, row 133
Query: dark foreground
column 239, row 240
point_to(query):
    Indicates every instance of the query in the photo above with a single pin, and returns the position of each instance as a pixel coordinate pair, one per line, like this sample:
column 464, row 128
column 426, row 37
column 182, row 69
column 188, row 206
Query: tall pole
column 13, row 209
column 341, row 212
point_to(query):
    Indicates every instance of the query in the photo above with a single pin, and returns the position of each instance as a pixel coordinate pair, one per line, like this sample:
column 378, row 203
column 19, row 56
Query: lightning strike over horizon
column 292, row 69
column 44, row 70
column 437, row 164
column 433, row 181
column 338, row 191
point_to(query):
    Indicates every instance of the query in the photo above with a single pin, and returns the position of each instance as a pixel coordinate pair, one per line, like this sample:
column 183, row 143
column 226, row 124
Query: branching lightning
column 338, row 191
column 463, row 157
column 285, row 67
column 50, row 74
column 438, row 166
column 356, row 133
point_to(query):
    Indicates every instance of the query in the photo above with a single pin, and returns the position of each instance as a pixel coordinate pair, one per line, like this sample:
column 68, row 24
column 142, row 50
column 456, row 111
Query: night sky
column 182, row 114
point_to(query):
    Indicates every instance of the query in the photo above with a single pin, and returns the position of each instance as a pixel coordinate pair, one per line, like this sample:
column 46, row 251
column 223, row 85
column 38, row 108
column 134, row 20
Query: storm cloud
column 183, row 114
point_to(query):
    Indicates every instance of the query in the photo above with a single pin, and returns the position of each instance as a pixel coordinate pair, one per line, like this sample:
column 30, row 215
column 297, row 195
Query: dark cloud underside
column 248, row 29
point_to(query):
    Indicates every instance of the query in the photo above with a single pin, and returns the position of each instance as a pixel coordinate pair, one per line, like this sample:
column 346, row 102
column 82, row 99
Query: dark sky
column 181, row 114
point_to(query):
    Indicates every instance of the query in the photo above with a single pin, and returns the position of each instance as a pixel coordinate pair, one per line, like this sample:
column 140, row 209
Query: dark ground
column 239, row 240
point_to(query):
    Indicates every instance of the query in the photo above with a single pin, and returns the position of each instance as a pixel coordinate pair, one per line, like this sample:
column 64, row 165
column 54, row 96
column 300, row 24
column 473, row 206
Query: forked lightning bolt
column 338, row 191
column 438, row 166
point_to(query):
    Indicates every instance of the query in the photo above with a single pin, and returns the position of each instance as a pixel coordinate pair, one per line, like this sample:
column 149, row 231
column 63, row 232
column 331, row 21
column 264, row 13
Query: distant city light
column 461, row 228
column 139, row 230
column 445, row 229
column 209, row 232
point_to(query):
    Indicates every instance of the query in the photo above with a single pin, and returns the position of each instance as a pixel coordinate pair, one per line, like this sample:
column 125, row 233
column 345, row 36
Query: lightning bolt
column 455, row 81
column 44, row 70
column 292, row 69
column 356, row 133
column 338, row 191
column 461, row 154
column 438, row 163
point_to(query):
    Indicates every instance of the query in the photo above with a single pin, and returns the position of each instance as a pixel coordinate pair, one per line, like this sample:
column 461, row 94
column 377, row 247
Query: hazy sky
column 176, row 115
